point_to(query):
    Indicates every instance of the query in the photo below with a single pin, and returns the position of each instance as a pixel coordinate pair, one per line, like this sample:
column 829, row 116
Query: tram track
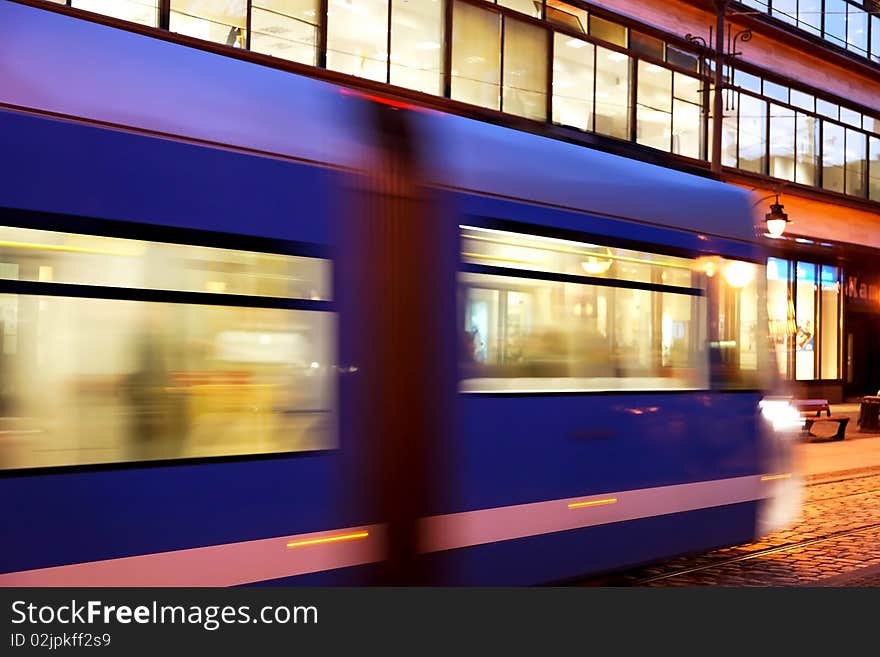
column 754, row 555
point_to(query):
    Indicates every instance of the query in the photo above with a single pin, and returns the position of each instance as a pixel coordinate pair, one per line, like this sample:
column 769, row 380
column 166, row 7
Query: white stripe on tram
column 245, row 562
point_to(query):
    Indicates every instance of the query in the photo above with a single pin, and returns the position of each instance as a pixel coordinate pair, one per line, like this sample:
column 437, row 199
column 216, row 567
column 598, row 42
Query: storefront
column 862, row 330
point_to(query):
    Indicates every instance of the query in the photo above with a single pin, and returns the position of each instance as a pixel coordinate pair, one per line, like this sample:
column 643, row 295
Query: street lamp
column 776, row 219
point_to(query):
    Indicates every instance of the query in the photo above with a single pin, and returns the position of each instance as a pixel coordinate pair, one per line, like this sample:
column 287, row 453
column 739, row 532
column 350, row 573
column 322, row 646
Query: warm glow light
column 578, row 505
column 779, row 476
column 329, row 539
column 595, row 266
column 775, row 227
column 738, row 274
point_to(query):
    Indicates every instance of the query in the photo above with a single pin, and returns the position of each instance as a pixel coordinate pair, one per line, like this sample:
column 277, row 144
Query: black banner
column 375, row 621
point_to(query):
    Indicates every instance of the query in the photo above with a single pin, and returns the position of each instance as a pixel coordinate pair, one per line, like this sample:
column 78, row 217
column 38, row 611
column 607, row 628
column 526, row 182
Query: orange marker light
column 578, row 505
column 779, row 476
column 329, row 539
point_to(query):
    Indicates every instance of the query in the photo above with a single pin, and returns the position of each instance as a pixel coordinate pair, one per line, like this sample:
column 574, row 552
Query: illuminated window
column 145, row 12
column 687, row 116
column 654, row 106
column 525, row 70
column 101, row 375
column 524, row 333
column 874, row 169
column 220, row 22
column 612, row 93
column 608, row 31
column 806, row 148
column 357, row 38
column 476, row 56
column 566, row 15
column 833, row 156
column 417, row 45
column 573, row 81
column 782, row 139
column 752, row 133
column 856, row 145
column 286, row 28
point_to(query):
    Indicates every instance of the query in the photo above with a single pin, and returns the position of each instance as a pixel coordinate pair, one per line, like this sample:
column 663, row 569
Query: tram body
column 601, row 322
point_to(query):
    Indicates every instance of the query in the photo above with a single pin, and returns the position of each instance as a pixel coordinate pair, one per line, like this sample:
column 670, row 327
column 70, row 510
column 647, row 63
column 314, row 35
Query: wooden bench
column 812, row 405
column 841, row 420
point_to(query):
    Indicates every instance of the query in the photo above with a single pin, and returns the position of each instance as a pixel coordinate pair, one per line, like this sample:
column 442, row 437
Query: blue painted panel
column 517, row 449
column 67, row 168
column 50, row 520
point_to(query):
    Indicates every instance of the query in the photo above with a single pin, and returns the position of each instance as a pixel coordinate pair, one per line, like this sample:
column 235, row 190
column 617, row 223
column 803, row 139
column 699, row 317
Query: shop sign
column 862, row 293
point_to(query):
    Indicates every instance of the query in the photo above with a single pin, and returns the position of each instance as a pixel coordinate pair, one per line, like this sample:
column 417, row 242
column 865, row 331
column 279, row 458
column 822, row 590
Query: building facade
column 786, row 103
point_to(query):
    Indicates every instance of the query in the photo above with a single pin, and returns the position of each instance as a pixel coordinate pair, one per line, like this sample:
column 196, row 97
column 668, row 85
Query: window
column 874, row 168
column 566, row 15
column 608, row 31
column 417, row 45
column 531, row 334
column 806, row 148
column 218, row 22
column 856, row 145
column 654, row 106
column 612, row 93
column 286, row 28
column 832, row 156
column 642, row 44
column 803, row 304
column 687, row 116
column 752, row 133
column 476, row 56
column 835, row 21
column 782, row 138
column 785, row 10
column 573, row 81
column 857, row 30
column 145, row 12
column 357, row 38
column 525, row 70
column 810, row 16
column 104, row 378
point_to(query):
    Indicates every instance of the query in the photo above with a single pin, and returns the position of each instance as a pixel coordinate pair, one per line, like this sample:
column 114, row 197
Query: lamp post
column 719, row 57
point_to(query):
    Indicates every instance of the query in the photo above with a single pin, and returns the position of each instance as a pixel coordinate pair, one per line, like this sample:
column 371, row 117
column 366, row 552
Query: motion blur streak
column 329, row 539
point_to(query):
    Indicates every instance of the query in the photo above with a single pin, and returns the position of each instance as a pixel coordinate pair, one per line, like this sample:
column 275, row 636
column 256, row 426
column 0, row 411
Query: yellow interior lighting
column 329, row 539
column 578, row 505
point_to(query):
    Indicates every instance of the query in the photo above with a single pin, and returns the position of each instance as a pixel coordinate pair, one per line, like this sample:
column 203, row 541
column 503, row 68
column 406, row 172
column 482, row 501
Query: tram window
column 89, row 260
column 523, row 335
column 741, row 355
column 86, row 381
column 531, row 252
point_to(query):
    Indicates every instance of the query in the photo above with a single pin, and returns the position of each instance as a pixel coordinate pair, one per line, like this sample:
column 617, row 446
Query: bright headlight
column 782, row 415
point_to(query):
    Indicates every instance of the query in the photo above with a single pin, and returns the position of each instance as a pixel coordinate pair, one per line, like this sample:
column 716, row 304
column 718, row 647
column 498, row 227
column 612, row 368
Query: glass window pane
column 682, row 59
column 476, row 56
column 874, row 170
column 688, row 89
column 573, row 80
column 687, row 129
column 875, row 38
column 780, row 312
column 50, row 256
column 857, row 30
column 747, row 81
column 832, row 156
column 529, row 7
column 806, row 149
column 218, row 22
column 417, row 45
column 106, row 381
column 729, row 134
column 654, row 106
column 357, row 38
column 856, row 144
column 642, row 44
column 803, row 100
column 566, row 15
column 851, row 117
column 286, row 28
column 835, row 21
column 829, row 338
column 607, row 31
column 484, row 246
column 785, row 10
column 781, row 142
column 805, row 300
column 145, row 12
column 531, row 335
column 831, row 110
column 612, row 93
column 525, row 70
column 752, row 133
column 810, row 16
column 775, row 91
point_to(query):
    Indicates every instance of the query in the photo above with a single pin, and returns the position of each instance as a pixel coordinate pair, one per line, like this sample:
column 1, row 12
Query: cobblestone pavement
column 835, row 543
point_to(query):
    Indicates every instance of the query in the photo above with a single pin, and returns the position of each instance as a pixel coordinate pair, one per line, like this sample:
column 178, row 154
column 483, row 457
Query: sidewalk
column 819, row 458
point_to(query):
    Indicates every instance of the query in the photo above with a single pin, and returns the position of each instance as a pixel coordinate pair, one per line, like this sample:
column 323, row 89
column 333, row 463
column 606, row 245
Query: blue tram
column 208, row 339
